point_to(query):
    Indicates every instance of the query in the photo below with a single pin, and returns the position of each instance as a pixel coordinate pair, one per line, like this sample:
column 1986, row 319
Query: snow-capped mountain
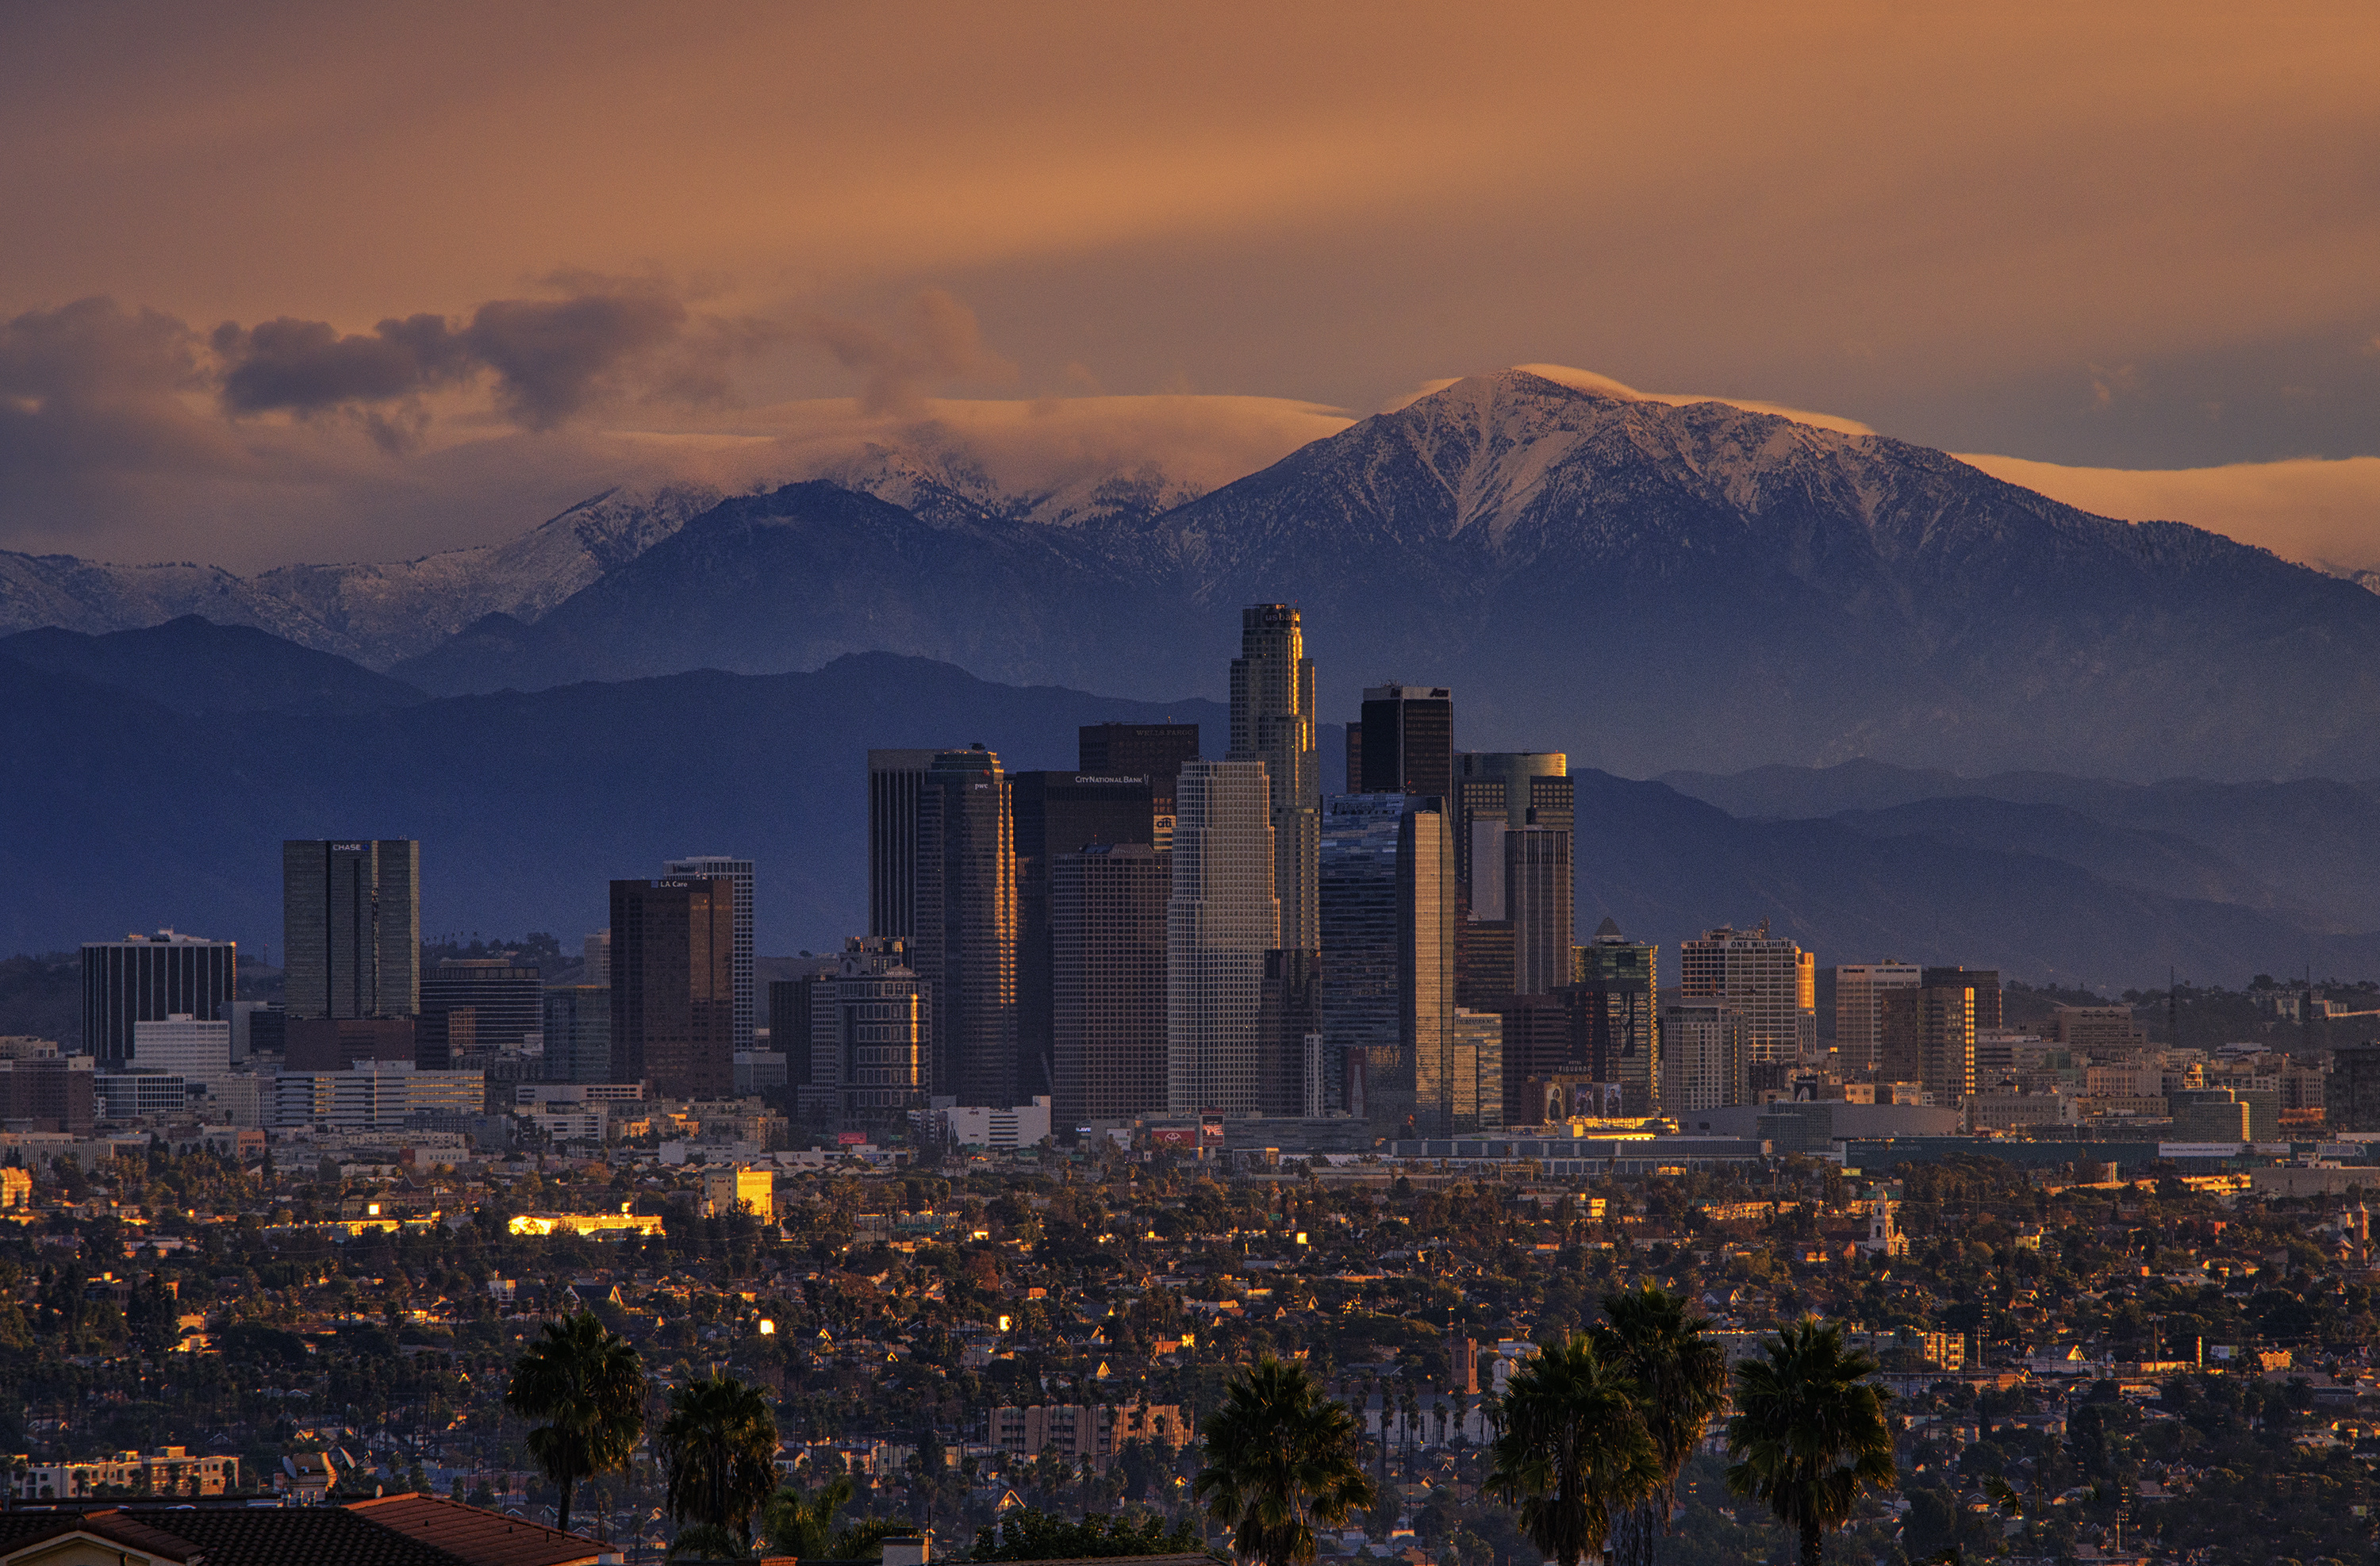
column 373, row 613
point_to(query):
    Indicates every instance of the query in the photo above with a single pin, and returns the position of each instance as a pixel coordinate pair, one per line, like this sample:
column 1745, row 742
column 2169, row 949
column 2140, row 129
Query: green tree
column 586, row 1382
column 1280, row 1458
column 801, row 1523
column 1808, row 1432
column 1026, row 1534
column 718, row 1453
column 1573, row 1452
column 1680, row 1378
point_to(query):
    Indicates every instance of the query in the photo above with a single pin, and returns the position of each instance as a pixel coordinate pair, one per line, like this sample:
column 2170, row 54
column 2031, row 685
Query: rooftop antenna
column 2172, row 1011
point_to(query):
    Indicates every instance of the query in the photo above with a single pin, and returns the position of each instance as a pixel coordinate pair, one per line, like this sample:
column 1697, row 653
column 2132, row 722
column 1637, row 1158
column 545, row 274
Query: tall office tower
column 1358, row 883
column 595, row 956
column 871, row 1041
column 351, row 928
column 1409, row 741
column 738, row 873
column 1984, row 982
column 1859, row 1008
column 1929, row 1039
column 1618, row 1026
column 1107, row 962
column 896, row 780
column 1703, row 1045
column 1538, row 883
column 578, row 1033
column 1477, row 1077
column 1055, row 813
column 1540, row 1042
column 1498, row 790
column 1772, row 984
column 505, row 1001
column 789, row 1013
column 1272, row 722
column 1221, row 918
column 1428, row 906
column 149, row 979
column 965, row 940
column 673, row 985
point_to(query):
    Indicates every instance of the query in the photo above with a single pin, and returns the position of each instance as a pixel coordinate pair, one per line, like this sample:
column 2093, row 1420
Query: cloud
column 92, row 390
column 945, row 344
column 2323, row 513
column 550, row 360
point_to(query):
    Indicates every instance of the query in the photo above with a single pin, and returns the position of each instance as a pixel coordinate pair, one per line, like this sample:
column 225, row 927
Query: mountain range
column 131, row 812
column 1646, row 586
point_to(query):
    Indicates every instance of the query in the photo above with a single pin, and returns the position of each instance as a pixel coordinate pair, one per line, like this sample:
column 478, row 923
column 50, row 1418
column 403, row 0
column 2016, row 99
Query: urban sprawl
column 1155, row 1090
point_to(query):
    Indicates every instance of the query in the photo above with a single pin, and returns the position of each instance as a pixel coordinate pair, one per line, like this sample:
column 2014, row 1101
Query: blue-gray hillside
column 193, row 665
column 116, row 815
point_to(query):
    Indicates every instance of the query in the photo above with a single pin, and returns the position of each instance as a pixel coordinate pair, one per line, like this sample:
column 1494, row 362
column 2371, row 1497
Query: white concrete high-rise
column 1702, row 1057
column 737, row 873
column 1772, row 982
column 1220, row 921
column 1272, row 722
column 183, row 1046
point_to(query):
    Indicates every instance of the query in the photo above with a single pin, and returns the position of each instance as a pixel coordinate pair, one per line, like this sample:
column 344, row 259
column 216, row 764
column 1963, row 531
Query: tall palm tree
column 719, row 1462
column 801, row 1525
column 587, row 1383
column 1282, row 1457
column 1572, row 1452
column 1808, row 1432
column 1681, row 1376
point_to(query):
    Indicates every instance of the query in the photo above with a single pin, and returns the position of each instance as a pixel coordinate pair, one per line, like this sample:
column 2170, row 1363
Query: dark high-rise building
column 337, row 1043
column 738, row 871
column 673, row 985
column 896, row 781
column 965, row 940
column 1537, row 884
column 351, row 928
column 1984, row 982
column 1409, row 741
column 1616, row 1018
column 1359, row 987
column 1154, row 751
column 578, row 1033
column 789, row 1016
column 1107, row 936
column 1483, row 964
column 1355, row 760
column 1053, row 814
column 505, row 1002
column 1928, row 1036
column 149, row 979
column 1290, row 1008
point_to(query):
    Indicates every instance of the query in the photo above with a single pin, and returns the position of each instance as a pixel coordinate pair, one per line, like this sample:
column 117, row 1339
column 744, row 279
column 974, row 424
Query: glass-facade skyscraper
column 1388, row 916
column 1056, row 813
column 964, row 944
column 351, row 928
column 673, row 985
column 1408, row 741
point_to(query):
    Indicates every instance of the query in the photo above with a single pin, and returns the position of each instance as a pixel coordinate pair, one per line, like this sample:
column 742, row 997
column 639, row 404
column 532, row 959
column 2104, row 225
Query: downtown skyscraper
column 738, row 873
column 673, row 985
column 964, row 940
column 351, row 928
column 1272, row 722
column 1220, row 921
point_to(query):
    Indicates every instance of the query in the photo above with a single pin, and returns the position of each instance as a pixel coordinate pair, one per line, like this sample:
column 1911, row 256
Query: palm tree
column 1282, row 1458
column 587, row 1383
column 1680, row 1378
column 1808, row 1432
column 719, row 1464
column 800, row 1524
column 1573, row 1452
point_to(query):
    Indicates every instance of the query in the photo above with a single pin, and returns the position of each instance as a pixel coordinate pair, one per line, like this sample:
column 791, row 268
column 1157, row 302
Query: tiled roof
column 293, row 1535
column 20, row 1529
column 478, row 1537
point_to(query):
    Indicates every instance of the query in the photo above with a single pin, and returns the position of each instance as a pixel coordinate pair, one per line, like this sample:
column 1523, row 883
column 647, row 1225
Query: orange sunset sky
column 2133, row 251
